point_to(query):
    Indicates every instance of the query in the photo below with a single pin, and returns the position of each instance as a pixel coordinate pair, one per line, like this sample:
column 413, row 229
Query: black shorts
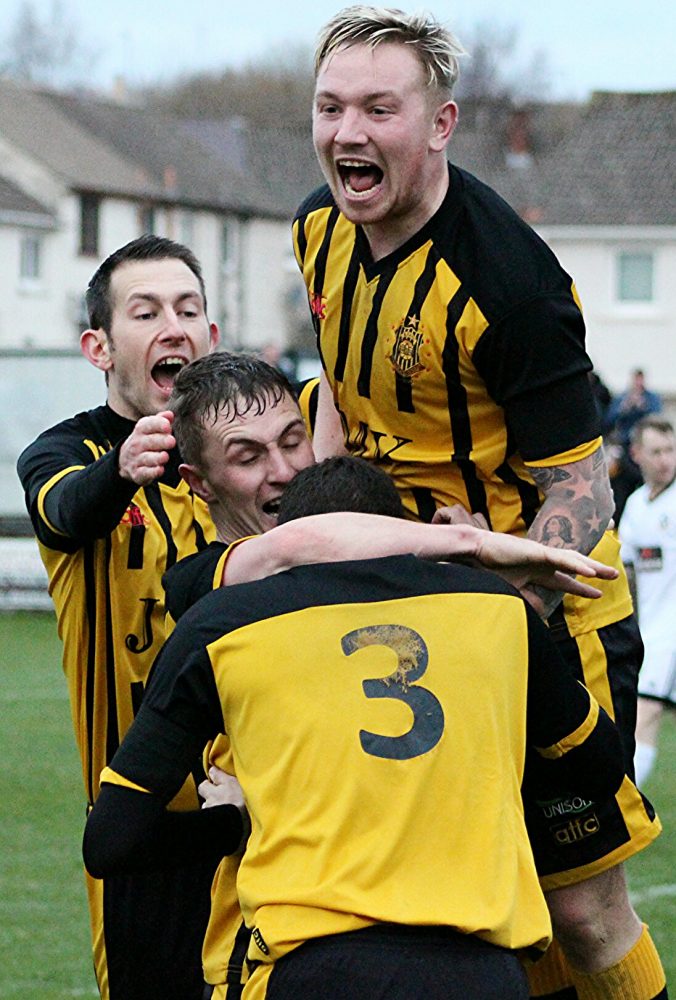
column 573, row 837
column 388, row 962
column 148, row 932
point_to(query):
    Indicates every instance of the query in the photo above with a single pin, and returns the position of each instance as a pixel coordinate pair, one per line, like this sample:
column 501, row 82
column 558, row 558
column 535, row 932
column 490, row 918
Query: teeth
column 172, row 361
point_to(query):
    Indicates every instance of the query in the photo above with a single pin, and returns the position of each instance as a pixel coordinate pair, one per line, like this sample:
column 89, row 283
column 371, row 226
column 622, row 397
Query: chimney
column 518, row 152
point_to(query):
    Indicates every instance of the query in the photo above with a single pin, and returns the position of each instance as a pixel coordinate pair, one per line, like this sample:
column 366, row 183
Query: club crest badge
column 405, row 356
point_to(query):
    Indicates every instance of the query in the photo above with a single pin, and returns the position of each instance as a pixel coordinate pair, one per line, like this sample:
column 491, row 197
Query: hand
column 145, row 453
column 458, row 515
column 527, row 564
column 221, row 789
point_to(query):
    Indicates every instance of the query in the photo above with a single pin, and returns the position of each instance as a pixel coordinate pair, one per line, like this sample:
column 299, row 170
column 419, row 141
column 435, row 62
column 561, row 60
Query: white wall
column 622, row 336
column 245, row 295
column 266, row 248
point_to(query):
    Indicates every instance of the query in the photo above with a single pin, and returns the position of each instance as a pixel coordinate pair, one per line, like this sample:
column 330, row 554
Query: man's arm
column 576, row 511
column 180, row 712
column 327, row 438
column 129, row 830
column 565, row 723
column 344, row 536
column 70, row 495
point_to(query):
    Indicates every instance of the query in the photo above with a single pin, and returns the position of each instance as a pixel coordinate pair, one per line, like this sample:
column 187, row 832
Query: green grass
column 44, row 931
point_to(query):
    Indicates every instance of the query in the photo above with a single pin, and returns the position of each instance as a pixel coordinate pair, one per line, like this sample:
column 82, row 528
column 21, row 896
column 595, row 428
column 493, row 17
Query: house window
column 31, row 257
column 635, row 277
column 89, row 224
column 147, row 219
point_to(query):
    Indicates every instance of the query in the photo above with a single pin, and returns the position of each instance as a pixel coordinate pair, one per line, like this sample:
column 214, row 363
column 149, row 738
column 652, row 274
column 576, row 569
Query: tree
column 42, row 50
column 276, row 88
column 492, row 69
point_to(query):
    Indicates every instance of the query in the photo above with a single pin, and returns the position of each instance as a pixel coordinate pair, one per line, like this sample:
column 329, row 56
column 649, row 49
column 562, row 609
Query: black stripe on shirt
column 349, row 286
column 461, row 428
column 422, row 289
column 370, row 339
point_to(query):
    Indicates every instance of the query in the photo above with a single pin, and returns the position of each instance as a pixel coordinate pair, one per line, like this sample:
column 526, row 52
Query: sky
column 587, row 44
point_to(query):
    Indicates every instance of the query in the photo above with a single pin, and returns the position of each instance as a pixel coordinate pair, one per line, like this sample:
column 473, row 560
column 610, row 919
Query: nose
column 351, row 131
column 172, row 327
column 280, row 468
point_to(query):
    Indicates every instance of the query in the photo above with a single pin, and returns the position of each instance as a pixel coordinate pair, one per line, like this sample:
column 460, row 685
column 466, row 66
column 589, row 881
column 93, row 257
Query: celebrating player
column 367, row 886
column 111, row 513
column 453, row 352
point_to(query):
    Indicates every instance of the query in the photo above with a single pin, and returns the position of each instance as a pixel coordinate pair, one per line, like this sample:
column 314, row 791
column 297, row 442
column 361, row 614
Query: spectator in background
column 648, row 533
column 622, row 415
column 631, row 406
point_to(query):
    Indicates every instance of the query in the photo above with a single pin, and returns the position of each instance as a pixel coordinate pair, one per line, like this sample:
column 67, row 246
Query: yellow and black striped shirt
column 458, row 359
column 105, row 544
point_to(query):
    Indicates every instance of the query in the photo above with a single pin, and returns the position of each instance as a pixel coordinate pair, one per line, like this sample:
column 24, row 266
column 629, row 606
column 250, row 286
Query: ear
column 444, row 122
column 95, row 346
column 197, row 482
column 214, row 336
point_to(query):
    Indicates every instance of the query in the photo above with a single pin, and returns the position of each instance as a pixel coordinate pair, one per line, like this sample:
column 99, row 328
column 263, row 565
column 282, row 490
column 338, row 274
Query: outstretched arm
column 343, row 536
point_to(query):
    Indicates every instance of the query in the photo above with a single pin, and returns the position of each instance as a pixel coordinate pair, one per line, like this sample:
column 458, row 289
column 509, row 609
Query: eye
column 291, row 442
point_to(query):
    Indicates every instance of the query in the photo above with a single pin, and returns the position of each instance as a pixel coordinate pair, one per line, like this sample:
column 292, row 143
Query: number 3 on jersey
column 412, row 660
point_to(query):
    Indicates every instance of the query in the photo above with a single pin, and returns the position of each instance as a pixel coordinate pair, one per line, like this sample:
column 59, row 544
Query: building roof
column 120, row 149
column 617, row 166
column 18, row 207
column 607, row 162
column 282, row 159
column 178, row 167
column 36, row 127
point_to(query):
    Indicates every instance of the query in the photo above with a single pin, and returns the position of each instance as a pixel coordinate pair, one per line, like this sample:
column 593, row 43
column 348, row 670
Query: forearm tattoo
column 577, row 507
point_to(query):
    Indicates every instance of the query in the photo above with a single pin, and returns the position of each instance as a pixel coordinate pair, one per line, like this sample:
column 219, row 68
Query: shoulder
column 320, row 198
column 191, row 578
column 63, row 437
column 503, row 261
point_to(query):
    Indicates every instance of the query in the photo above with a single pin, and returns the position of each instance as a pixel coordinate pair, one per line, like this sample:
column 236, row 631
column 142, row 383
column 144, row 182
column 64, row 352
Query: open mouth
column 165, row 371
column 271, row 507
column 359, row 178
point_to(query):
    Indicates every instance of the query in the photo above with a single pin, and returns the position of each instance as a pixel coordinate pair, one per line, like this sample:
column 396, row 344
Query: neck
column 387, row 236
column 656, row 488
column 225, row 530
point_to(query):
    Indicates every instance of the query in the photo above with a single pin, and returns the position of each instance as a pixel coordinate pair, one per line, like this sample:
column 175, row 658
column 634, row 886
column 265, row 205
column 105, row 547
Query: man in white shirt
column 648, row 533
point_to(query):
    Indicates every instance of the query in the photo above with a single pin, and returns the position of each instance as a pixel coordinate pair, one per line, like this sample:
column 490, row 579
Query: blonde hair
column 436, row 48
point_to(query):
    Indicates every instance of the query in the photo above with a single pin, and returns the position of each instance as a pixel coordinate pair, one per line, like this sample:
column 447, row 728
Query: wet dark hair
column 234, row 383
column 343, row 483
column 147, row 247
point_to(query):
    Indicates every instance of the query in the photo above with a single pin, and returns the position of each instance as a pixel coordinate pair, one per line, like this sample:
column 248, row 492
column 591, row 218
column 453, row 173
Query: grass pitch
column 44, row 930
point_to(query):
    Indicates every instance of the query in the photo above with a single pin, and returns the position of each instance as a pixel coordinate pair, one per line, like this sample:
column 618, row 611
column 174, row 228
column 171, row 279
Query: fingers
column 458, row 515
column 570, row 561
column 220, row 789
column 145, row 453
